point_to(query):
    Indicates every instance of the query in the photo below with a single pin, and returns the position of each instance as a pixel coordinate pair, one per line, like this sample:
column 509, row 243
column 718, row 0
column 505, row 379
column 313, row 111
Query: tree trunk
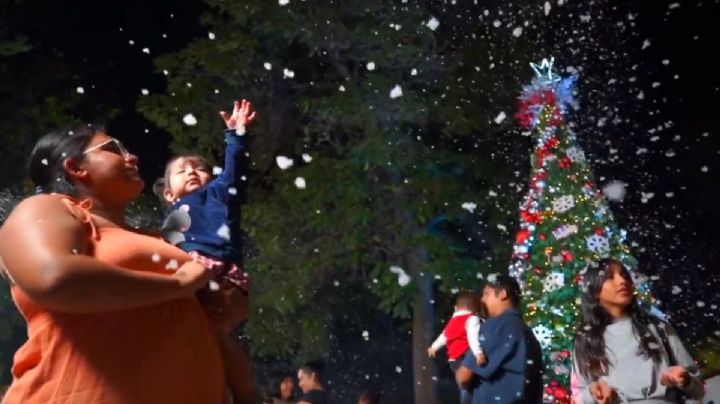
column 423, row 331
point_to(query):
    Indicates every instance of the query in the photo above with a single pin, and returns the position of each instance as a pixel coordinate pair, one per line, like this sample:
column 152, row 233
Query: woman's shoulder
column 42, row 205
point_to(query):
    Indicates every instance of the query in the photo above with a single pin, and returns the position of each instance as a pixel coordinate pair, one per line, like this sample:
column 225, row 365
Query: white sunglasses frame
column 119, row 144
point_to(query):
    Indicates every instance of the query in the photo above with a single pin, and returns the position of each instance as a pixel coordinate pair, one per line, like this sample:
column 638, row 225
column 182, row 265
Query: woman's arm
column 43, row 248
column 226, row 309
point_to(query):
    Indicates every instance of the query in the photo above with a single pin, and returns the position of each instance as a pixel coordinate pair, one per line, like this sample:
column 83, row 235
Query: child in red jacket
column 462, row 332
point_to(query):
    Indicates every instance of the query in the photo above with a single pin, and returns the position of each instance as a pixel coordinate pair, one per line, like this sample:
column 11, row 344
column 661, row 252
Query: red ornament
column 565, row 162
column 599, row 231
column 530, row 217
column 537, row 270
column 567, row 256
column 522, row 236
column 552, row 143
column 543, row 236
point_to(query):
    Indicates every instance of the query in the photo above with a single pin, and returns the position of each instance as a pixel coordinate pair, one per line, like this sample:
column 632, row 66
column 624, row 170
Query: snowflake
column 284, row 162
column 553, row 282
column 563, row 203
column 598, row 244
column 575, row 154
column 190, row 120
column 396, row 92
column 403, row 278
column 433, row 23
column 543, row 335
column 469, row 206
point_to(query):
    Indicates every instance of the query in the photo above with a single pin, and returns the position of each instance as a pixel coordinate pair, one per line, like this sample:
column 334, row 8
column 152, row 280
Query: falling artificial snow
column 189, row 120
column 224, row 232
column 469, row 206
column 284, row 162
column 403, row 278
column 396, row 92
column 615, row 191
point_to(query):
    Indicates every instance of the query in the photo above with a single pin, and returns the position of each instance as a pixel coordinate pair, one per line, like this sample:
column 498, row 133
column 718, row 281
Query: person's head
column 369, row 396
column 309, row 377
column 85, row 161
column 608, row 285
column 501, row 294
column 608, row 294
column 286, row 387
column 471, row 302
column 183, row 175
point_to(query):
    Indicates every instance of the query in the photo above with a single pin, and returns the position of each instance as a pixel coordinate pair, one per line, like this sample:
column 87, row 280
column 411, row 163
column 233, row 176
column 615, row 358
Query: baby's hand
column 481, row 359
column 242, row 116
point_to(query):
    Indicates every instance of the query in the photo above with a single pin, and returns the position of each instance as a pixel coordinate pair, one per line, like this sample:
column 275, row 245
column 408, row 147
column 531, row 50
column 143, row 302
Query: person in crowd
column 285, row 393
column 461, row 334
column 513, row 372
column 111, row 311
column 311, row 384
column 369, row 396
column 623, row 353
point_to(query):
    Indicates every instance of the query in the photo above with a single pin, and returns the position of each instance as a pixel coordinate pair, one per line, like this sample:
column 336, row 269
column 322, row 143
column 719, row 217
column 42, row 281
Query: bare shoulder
column 39, row 209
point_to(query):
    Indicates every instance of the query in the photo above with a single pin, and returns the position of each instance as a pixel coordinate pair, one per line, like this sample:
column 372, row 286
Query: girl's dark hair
column 590, row 355
column 45, row 167
column 161, row 183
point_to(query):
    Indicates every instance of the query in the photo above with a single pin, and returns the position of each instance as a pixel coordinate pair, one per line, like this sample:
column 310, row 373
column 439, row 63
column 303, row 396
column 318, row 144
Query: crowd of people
column 622, row 353
column 120, row 315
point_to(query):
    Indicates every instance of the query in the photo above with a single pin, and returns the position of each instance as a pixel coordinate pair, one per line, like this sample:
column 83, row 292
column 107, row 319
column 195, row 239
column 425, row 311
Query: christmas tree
column 565, row 224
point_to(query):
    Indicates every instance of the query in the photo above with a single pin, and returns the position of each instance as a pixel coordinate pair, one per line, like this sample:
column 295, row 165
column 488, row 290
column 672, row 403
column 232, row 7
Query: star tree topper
column 544, row 70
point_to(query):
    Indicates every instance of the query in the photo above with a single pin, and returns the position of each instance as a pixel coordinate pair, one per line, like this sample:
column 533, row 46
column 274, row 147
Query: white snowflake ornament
column 553, row 282
column 598, row 244
column 543, row 335
column 575, row 154
column 563, row 203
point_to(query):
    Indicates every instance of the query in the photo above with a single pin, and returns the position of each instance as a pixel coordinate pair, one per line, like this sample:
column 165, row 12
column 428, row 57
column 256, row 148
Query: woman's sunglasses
column 111, row 145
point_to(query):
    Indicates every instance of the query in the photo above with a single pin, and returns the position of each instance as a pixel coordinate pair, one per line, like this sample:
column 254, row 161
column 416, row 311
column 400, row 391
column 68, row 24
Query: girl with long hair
column 622, row 352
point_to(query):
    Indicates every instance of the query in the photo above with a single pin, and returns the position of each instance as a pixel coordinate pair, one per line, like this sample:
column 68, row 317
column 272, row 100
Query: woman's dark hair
column 45, row 167
column 590, row 356
column 280, row 379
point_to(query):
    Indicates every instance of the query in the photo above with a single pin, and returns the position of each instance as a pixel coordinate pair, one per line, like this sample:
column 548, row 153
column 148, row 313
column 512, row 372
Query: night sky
column 674, row 58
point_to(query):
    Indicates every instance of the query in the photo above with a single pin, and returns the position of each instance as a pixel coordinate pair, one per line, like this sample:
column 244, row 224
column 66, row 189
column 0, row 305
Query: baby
column 204, row 215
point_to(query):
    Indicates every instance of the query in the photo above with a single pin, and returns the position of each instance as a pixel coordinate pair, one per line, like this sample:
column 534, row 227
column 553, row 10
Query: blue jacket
column 513, row 374
column 215, row 208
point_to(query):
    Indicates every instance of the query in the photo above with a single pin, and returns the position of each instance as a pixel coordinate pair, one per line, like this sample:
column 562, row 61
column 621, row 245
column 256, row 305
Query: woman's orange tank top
column 161, row 354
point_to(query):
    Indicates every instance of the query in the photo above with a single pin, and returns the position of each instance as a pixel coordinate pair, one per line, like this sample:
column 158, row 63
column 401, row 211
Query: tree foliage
column 382, row 167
